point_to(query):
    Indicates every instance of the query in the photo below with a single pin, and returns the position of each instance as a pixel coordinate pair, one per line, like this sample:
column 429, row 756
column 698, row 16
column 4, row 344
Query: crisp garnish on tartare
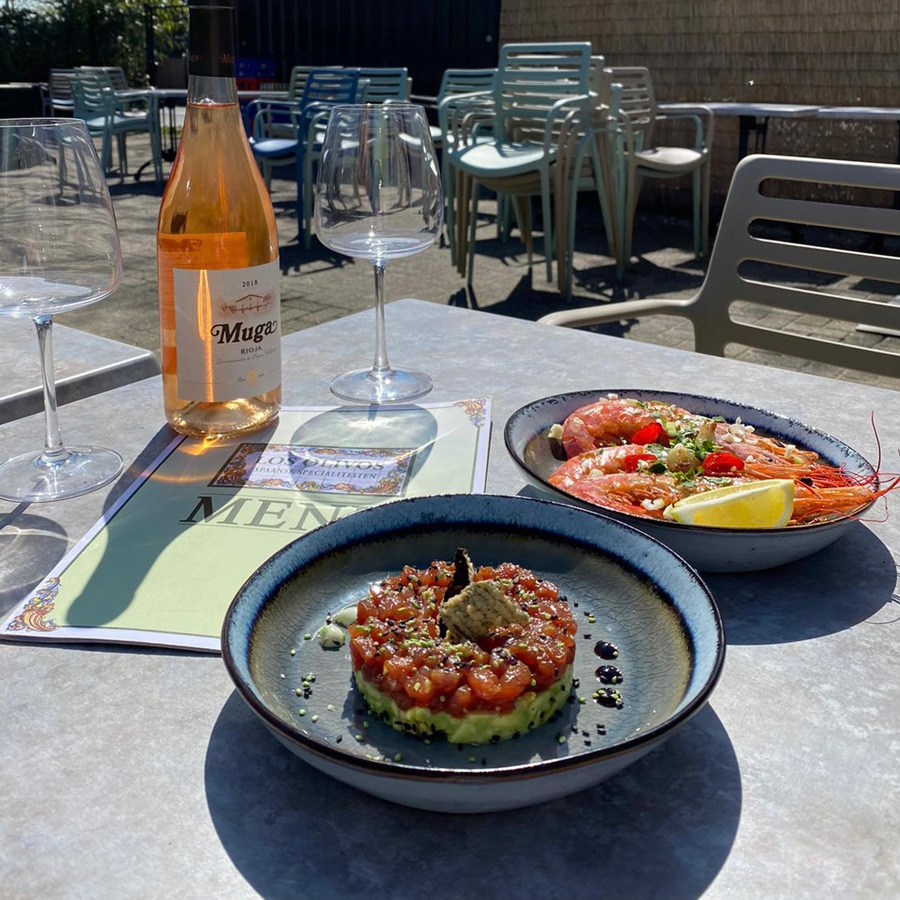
column 479, row 655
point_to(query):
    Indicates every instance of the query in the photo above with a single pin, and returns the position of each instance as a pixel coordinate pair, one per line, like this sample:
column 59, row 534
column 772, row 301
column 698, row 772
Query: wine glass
column 378, row 197
column 59, row 250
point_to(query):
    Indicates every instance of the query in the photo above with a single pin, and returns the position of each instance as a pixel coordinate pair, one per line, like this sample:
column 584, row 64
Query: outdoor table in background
column 84, row 364
column 170, row 98
column 864, row 113
column 754, row 118
column 140, row 773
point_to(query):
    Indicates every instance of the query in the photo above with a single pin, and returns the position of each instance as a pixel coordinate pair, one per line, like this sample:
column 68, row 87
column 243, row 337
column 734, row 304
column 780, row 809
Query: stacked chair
column 460, row 90
column 56, row 97
column 109, row 115
column 538, row 88
column 637, row 157
column 306, row 119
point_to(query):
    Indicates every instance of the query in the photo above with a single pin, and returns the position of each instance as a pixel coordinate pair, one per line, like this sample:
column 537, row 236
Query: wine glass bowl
column 378, row 197
column 59, row 251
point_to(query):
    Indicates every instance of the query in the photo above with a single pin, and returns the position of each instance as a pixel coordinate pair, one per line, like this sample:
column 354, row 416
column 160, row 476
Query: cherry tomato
column 720, row 462
column 653, row 433
column 632, row 460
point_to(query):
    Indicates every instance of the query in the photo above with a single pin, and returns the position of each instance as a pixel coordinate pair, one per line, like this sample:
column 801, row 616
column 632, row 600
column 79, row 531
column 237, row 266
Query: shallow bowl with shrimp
column 536, row 441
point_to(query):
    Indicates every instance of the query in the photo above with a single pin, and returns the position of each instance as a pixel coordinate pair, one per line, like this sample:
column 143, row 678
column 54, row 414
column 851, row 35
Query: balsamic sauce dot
column 609, row 675
column 606, row 650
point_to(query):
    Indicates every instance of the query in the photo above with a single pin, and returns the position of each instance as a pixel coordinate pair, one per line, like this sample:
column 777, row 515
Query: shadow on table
column 663, row 827
column 852, row 581
column 46, row 542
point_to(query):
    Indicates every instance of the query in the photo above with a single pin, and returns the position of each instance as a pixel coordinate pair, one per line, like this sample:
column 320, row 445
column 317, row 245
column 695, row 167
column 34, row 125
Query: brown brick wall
column 820, row 52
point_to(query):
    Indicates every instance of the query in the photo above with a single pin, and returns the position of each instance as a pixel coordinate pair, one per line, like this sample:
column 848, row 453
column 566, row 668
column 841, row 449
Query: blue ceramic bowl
column 638, row 594
column 709, row 549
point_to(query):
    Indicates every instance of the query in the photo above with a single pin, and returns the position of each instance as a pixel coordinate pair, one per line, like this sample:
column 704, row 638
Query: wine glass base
column 29, row 479
column 389, row 386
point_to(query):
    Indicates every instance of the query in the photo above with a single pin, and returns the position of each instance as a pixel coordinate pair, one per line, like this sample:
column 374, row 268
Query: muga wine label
column 228, row 332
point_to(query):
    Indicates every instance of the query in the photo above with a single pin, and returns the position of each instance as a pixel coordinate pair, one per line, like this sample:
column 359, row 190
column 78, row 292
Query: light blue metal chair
column 324, row 89
column 461, row 90
column 110, row 115
column 385, row 84
column 536, row 87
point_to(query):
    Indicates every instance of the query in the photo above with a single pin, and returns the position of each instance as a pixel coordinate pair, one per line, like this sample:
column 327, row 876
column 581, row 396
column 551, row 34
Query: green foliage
column 68, row 33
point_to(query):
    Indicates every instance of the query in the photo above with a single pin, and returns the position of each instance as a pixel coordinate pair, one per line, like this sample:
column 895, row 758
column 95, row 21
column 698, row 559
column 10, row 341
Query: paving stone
column 318, row 285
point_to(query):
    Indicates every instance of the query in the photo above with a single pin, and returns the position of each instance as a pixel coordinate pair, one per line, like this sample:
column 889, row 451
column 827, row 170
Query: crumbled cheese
column 612, row 396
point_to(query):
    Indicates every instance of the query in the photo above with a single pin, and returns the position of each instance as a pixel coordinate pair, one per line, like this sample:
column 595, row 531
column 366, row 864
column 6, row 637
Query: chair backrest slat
column 60, row 83
column 385, row 84
column 532, row 77
column 465, row 81
column 113, row 75
column 838, row 252
column 91, row 90
column 330, row 86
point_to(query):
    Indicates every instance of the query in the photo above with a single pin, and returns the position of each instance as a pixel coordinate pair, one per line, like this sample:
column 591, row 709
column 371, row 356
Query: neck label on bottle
column 228, row 332
column 211, row 42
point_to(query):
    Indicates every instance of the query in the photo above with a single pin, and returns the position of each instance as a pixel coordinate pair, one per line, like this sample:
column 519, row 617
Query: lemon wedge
column 756, row 504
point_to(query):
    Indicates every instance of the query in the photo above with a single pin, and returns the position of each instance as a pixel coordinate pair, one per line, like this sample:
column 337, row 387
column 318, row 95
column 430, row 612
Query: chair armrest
column 613, row 312
column 449, row 107
column 262, row 117
column 562, row 108
column 703, row 136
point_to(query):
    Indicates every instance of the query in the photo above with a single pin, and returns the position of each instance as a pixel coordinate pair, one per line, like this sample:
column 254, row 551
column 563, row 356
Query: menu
column 164, row 562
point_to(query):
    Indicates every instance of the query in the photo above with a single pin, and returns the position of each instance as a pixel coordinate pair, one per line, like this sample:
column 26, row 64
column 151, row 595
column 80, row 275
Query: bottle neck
column 209, row 90
column 211, row 63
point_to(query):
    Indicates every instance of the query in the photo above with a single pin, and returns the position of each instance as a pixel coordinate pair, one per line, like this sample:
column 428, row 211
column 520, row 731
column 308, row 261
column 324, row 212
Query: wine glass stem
column 54, row 451
column 381, row 363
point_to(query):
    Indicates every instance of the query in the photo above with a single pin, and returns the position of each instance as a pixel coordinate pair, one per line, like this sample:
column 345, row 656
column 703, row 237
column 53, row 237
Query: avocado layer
column 531, row 710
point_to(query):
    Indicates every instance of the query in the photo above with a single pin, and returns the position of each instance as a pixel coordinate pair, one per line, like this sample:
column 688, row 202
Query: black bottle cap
column 211, row 38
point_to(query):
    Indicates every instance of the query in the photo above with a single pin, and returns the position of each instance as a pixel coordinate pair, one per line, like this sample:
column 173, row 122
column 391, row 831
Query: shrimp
column 608, row 469
column 640, row 493
column 602, row 461
column 615, row 421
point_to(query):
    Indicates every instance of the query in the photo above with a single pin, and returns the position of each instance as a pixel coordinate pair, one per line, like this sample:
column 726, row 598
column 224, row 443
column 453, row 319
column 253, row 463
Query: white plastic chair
column 638, row 157
column 536, row 86
column 710, row 310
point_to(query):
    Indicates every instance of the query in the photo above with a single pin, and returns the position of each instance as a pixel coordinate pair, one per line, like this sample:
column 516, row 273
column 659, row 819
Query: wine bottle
column 217, row 254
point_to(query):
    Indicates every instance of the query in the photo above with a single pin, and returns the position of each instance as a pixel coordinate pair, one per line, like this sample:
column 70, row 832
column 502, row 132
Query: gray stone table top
column 729, row 108
column 84, row 364
column 134, row 773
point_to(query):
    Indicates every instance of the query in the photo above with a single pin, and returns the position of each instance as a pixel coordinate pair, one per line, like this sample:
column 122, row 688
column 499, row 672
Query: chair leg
column 568, row 258
column 156, row 151
column 449, row 187
column 704, row 208
column 607, row 203
column 473, row 222
column 522, row 206
column 123, row 154
column 695, row 184
column 548, row 222
column 630, row 207
column 298, row 166
column 307, row 199
column 463, row 188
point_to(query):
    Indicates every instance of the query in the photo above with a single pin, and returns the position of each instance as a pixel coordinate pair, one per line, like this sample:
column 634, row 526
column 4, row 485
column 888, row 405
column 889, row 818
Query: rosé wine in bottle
column 217, row 255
